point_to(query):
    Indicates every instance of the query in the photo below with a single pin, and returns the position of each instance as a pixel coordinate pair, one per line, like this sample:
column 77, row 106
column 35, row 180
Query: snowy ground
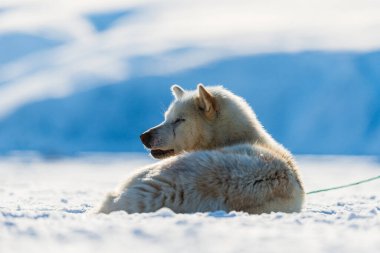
column 45, row 206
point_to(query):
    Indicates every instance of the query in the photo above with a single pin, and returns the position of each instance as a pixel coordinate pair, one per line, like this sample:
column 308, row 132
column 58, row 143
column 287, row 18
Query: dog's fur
column 217, row 157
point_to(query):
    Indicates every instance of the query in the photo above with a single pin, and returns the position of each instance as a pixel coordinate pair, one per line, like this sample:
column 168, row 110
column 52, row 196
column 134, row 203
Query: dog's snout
column 146, row 139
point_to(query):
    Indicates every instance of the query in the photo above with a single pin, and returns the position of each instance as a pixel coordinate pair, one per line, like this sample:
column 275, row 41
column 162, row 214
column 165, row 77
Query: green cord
column 345, row 186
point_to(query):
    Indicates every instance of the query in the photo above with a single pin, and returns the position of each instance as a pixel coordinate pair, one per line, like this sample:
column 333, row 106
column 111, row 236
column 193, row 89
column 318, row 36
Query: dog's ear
column 206, row 102
column 177, row 91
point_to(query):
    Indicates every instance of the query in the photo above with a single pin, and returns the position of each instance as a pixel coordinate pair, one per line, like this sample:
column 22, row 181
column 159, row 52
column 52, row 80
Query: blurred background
column 90, row 76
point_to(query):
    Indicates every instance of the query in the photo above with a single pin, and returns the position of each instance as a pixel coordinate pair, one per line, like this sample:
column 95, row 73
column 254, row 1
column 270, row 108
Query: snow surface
column 45, row 206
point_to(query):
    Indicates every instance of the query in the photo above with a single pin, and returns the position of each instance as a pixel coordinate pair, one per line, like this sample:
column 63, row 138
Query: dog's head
column 187, row 126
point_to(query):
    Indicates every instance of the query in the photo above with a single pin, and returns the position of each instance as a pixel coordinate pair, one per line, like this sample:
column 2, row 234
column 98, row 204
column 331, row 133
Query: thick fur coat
column 216, row 156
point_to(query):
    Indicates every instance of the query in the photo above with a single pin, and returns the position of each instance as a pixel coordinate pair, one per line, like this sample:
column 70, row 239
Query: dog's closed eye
column 179, row 120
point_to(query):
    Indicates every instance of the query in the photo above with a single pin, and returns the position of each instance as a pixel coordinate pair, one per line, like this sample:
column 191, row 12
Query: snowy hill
column 312, row 102
column 79, row 76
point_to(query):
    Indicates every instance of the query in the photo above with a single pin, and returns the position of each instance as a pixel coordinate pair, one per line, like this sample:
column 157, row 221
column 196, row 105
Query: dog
column 215, row 155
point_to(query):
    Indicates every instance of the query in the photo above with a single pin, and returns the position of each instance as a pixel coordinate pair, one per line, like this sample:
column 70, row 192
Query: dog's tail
column 109, row 204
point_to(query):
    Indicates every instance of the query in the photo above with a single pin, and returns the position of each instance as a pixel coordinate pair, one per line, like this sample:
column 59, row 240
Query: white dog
column 216, row 156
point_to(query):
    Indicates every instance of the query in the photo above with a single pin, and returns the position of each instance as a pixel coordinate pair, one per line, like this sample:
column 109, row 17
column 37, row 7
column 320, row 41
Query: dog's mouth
column 160, row 154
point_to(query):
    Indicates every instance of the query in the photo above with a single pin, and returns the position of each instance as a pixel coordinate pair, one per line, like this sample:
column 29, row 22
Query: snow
column 46, row 205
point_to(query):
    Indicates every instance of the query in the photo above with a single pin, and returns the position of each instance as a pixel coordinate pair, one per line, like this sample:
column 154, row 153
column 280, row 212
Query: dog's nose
column 145, row 139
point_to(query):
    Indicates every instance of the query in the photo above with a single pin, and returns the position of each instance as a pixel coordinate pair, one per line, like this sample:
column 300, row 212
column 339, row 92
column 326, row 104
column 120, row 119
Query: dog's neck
column 251, row 132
